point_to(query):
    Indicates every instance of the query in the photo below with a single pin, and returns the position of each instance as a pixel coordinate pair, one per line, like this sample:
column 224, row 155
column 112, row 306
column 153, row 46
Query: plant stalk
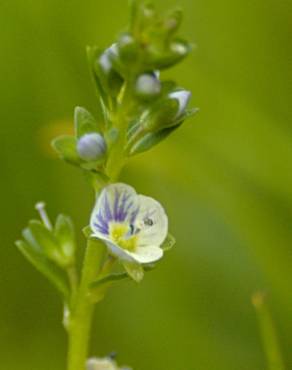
column 81, row 316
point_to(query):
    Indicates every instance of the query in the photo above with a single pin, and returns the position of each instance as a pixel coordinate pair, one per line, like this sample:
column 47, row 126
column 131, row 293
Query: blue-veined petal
column 116, row 203
column 152, row 222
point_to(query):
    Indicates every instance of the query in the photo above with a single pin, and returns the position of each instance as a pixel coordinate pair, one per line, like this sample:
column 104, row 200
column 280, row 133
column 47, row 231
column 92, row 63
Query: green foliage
column 54, row 274
column 51, row 251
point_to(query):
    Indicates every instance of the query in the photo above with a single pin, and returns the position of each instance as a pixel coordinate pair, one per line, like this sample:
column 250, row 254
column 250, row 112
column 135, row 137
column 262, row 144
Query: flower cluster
column 139, row 108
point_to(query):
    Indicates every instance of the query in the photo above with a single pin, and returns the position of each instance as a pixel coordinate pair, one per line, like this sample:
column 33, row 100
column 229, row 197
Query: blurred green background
column 225, row 179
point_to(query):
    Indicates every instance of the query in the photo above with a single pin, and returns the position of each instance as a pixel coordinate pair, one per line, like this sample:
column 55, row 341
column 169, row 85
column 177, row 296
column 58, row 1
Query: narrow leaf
column 47, row 268
column 109, row 279
column 46, row 241
column 65, row 234
column 151, row 139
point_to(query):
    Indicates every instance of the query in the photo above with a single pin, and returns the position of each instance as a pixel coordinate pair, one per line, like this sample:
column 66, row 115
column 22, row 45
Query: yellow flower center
column 121, row 235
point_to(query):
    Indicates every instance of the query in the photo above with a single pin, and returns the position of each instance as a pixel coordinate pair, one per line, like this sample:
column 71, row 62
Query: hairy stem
column 82, row 313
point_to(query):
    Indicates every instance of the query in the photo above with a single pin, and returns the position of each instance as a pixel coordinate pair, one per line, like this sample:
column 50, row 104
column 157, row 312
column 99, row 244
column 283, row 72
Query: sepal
column 149, row 140
column 65, row 235
column 134, row 270
column 65, row 146
column 168, row 243
column 84, row 122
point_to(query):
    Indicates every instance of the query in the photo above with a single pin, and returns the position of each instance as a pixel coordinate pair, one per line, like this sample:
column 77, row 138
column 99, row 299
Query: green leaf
column 65, row 146
column 134, row 270
column 109, row 279
column 47, row 242
column 65, row 234
column 150, row 140
column 47, row 268
column 168, row 243
column 84, row 122
column 162, row 114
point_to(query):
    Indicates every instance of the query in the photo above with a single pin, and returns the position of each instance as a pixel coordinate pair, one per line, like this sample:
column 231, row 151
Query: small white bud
column 179, row 48
column 148, row 85
column 101, row 364
column 183, row 98
column 105, row 58
column 91, row 146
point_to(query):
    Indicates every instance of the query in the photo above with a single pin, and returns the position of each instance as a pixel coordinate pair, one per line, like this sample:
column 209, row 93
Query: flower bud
column 168, row 111
column 128, row 48
column 91, row 147
column 105, row 59
column 183, row 98
column 106, row 363
column 105, row 69
column 148, row 85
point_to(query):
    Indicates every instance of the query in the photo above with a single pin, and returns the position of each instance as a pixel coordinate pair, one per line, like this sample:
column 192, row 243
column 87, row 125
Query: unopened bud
column 101, row 364
column 183, row 98
column 148, row 85
column 105, row 58
column 91, row 146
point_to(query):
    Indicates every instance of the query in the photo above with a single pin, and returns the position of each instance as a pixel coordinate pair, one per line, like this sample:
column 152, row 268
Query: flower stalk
column 80, row 319
column 128, row 232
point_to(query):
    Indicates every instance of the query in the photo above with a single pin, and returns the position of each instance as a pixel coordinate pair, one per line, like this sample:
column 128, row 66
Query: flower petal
column 119, row 252
column 116, row 203
column 152, row 222
column 147, row 254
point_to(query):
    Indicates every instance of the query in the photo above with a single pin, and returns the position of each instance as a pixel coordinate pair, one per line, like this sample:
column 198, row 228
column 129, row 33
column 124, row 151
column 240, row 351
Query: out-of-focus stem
column 268, row 333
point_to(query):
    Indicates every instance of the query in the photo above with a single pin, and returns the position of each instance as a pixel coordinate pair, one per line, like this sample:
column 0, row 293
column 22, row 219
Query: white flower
column 103, row 364
column 133, row 226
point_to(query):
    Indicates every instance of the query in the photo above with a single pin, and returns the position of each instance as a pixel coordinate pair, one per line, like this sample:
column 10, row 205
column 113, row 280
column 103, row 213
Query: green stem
column 82, row 313
column 117, row 158
column 268, row 332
